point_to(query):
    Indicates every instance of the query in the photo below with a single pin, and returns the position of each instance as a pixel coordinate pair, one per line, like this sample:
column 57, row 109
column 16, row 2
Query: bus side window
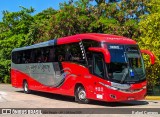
column 51, row 56
column 19, row 57
column 32, row 56
column 27, row 58
column 22, row 57
column 98, row 65
column 60, row 58
column 15, row 57
column 90, row 60
column 59, row 53
column 89, row 43
column 68, row 55
column 76, row 54
column 38, row 55
column 42, row 56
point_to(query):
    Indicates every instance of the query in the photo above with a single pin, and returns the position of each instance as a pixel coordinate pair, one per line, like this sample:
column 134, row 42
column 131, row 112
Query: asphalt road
column 15, row 98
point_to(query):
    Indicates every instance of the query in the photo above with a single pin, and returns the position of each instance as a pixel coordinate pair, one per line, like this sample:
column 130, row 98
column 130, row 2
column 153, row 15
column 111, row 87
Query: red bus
column 87, row 66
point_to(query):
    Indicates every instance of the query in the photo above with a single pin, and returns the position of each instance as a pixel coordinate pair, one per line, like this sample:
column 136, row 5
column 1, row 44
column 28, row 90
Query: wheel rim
column 25, row 87
column 82, row 95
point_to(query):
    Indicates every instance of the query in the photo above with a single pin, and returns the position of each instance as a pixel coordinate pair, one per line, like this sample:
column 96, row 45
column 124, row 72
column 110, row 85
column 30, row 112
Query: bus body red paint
column 97, row 88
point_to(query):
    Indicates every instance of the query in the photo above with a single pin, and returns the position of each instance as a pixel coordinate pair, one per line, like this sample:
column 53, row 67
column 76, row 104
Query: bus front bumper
column 119, row 95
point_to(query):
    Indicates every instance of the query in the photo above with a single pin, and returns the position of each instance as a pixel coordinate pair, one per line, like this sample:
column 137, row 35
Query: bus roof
column 42, row 44
column 113, row 39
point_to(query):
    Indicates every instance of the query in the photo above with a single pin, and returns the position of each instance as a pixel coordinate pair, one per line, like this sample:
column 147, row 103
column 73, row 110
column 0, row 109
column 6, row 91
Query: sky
column 38, row 5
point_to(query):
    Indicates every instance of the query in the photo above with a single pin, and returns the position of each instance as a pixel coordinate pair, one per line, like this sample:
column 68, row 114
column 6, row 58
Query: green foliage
column 153, row 73
column 13, row 31
column 40, row 29
column 136, row 19
column 149, row 39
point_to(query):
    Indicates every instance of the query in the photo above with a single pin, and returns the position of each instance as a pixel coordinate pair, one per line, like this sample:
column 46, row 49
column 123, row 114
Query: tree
column 149, row 39
column 13, row 32
column 119, row 18
column 71, row 19
column 40, row 29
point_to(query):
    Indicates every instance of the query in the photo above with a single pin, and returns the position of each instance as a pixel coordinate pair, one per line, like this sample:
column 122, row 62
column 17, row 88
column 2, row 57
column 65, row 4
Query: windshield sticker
column 115, row 47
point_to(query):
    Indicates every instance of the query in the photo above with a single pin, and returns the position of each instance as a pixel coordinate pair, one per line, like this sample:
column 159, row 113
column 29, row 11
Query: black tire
column 25, row 88
column 80, row 95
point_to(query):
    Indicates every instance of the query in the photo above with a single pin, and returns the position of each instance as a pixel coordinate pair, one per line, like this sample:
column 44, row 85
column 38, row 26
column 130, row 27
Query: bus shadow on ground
column 92, row 102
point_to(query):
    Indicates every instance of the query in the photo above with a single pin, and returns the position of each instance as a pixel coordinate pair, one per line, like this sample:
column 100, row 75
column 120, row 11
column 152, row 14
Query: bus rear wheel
column 25, row 88
column 80, row 95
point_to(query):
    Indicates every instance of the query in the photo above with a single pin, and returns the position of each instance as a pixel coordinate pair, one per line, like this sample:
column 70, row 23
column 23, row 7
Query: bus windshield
column 126, row 64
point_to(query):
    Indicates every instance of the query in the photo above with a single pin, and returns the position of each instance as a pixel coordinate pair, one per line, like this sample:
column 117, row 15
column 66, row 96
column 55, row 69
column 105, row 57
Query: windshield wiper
column 124, row 75
column 125, row 69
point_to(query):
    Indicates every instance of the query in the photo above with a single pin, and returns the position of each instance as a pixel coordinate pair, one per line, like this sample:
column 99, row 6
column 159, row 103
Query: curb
column 152, row 98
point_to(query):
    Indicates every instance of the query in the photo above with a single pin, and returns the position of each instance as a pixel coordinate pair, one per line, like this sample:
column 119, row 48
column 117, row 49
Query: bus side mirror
column 104, row 51
column 152, row 56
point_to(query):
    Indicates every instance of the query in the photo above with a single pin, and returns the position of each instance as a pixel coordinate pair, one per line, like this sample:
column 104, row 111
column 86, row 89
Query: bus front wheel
column 80, row 95
column 25, row 87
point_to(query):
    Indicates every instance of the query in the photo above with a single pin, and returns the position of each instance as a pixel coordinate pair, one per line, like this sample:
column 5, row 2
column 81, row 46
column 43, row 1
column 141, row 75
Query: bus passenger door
column 99, row 72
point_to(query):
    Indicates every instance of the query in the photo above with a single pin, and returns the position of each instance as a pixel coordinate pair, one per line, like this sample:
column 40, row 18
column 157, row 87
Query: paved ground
column 15, row 98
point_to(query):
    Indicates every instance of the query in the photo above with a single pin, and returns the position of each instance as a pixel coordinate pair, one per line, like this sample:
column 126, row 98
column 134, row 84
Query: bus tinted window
column 37, row 55
column 26, row 56
column 75, row 54
column 17, row 57
column 14, row 57
column 69, row 52
column 51, row 54
column 60, row 53
column 90, row 43
column 41, row 54
column 98, row 65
